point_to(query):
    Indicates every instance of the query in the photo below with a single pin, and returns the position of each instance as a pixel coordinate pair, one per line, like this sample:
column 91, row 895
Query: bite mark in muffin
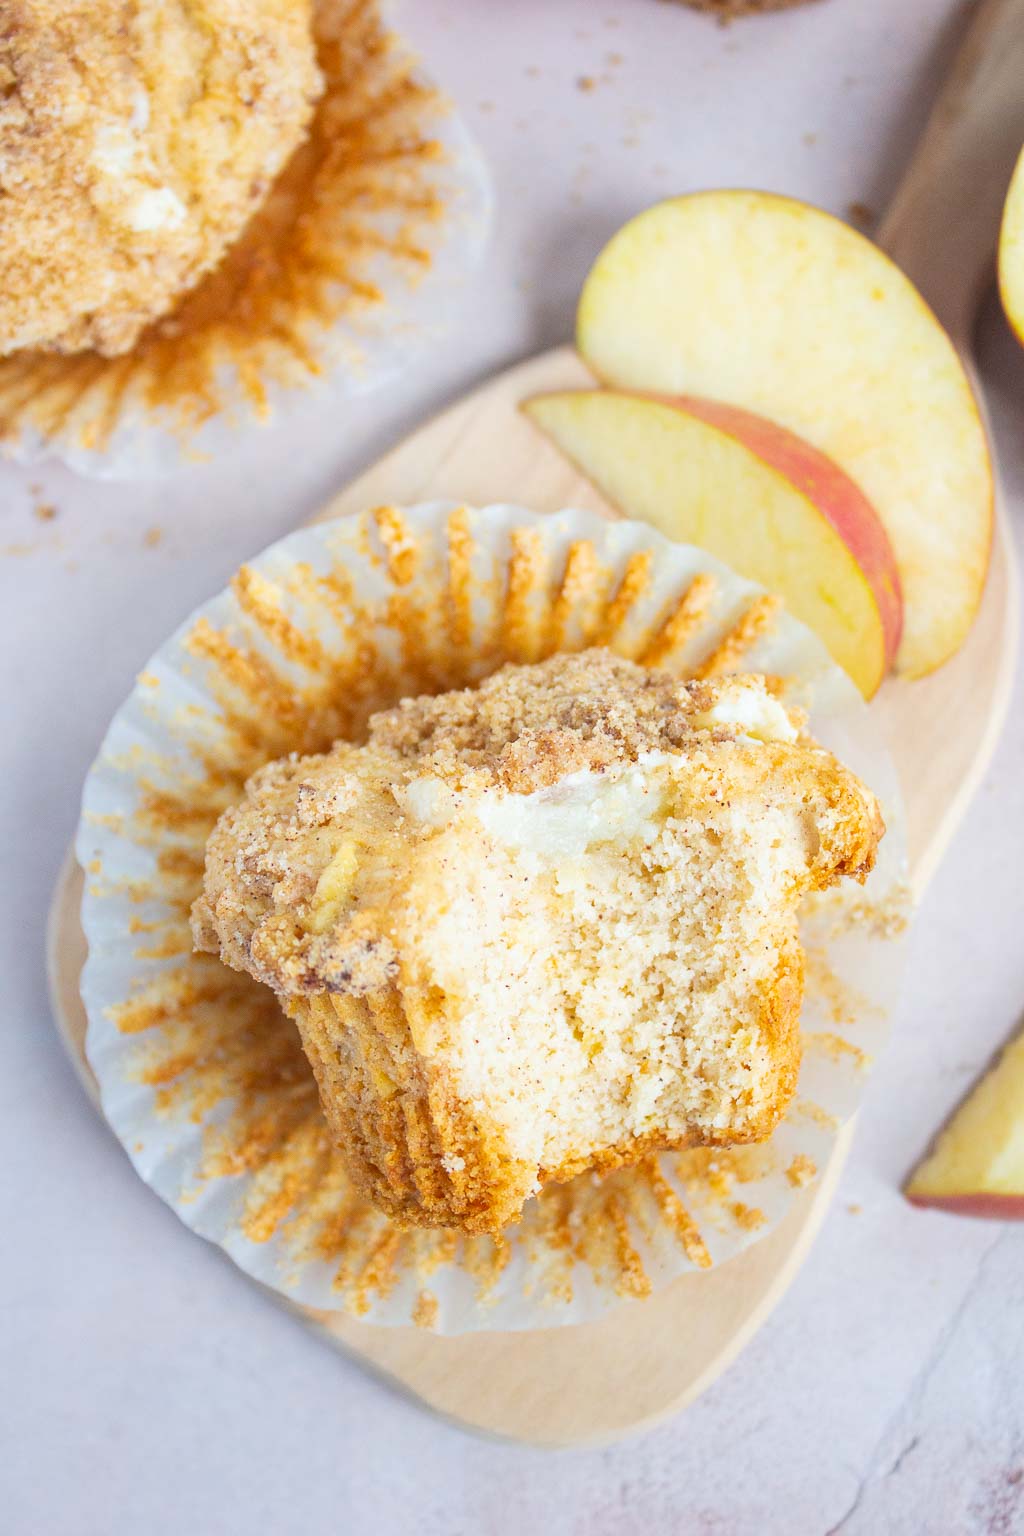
column 539, row 926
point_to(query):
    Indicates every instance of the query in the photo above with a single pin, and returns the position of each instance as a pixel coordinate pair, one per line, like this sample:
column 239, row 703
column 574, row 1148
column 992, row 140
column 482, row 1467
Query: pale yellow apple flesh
column 1011, row 253
column 977, row 1165
column 768, row 504
column 771, row 305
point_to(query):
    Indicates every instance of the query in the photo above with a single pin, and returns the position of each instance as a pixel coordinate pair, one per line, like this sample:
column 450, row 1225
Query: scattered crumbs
column 424, row 1313
column 710, row 1174
column 152, row 537
column 854, row 1209
column 586, row 83
column 810, row 139
column 534, row 71
column 748, row 1216
column 836, row 1048
column 672, row 1211
column 886, row 919
column 614, row 59
column 485, row 106
column 17, row 549
column 631, row 1279
column 861, row 215
column 840, row 1002
column 484, row 1259
column 801, row 1171
column 806, row 1109
column 45, row 511
column 94, row 867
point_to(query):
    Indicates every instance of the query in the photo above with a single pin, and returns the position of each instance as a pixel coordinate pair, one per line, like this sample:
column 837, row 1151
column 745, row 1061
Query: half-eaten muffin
column 539, row 926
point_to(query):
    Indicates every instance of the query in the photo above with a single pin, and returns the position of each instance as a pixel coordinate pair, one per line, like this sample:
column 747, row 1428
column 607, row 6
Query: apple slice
column 977, row 1165
column 759, row 498
column 1011, row 253
column 774, row 306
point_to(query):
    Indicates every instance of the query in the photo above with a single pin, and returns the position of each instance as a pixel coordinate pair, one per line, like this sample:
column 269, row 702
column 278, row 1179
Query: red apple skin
column 986, row 1206
column 837, row 497
column 816, row 242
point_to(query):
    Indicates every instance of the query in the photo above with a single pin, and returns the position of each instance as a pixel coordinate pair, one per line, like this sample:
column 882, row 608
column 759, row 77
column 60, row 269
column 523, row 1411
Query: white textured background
column 144, row 1388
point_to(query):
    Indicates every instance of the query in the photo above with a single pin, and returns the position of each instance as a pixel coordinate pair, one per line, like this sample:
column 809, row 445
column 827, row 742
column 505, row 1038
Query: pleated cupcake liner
column 202, row 1076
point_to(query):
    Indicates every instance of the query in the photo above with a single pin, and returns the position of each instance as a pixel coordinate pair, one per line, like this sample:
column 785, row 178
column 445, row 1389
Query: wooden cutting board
column 600, row 1380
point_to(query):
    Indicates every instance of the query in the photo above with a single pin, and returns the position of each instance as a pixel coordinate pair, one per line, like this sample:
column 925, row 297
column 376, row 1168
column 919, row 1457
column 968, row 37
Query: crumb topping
column 298, row 875
column 525, row 728
column 136, row 139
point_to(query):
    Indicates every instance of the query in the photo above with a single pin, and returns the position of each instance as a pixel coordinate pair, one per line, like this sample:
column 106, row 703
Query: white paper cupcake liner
column 202, row 1077
column 405, row 213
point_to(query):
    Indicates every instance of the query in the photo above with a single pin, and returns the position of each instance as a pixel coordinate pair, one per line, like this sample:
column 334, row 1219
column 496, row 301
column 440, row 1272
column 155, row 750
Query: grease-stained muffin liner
column 356, row 260
column 202, row 1076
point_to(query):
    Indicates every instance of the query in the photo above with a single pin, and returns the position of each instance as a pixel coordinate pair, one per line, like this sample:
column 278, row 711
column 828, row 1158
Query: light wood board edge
column 535, row 1406
column 645, row 1360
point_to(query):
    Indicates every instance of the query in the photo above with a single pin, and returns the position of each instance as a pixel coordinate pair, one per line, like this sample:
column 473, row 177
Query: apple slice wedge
column 1011, row 253
column 776, row 307
column 755, row 495
column 976, row 1167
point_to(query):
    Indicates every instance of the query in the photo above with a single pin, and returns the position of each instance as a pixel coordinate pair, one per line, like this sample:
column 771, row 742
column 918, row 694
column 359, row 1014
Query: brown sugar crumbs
column 801, row 1171
column 424, row 1313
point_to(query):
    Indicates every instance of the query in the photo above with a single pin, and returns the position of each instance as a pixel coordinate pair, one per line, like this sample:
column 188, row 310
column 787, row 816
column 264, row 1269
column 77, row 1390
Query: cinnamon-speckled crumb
column 801, row 1171
column 748, row 1217
column 424, row 1313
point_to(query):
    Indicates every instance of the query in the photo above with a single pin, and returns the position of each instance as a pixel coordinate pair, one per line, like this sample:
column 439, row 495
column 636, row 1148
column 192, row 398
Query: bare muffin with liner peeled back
column 541, row 925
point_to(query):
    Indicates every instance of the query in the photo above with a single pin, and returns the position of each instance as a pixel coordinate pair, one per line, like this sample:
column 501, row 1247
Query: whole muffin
column 136, row 139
